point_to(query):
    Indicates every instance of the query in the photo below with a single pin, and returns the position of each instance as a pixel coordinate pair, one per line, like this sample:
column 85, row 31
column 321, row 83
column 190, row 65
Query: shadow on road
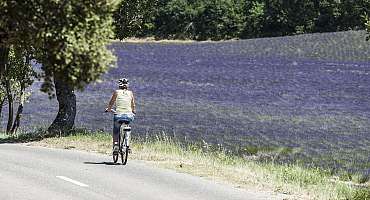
column 101, row 163
column 36, row 135
column 24, row 138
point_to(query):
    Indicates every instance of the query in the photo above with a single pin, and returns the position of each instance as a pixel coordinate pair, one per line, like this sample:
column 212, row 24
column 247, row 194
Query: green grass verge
column 294, row 181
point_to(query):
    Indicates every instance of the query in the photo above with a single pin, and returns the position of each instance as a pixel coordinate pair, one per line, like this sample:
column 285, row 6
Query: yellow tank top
column 123, row 102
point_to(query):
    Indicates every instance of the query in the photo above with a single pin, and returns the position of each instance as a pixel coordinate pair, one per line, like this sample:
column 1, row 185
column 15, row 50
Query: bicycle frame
column 126, row 134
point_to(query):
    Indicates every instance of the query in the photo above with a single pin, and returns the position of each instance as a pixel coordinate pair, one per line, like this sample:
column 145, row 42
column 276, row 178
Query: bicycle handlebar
column 111, row 110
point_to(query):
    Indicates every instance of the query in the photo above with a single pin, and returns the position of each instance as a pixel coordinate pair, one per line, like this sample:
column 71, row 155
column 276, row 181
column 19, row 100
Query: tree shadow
column 101, row 163
column 38, row 135
column 22, row 138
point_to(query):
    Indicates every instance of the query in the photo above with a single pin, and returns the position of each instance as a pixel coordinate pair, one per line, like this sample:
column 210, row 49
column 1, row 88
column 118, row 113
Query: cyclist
column 124, row 101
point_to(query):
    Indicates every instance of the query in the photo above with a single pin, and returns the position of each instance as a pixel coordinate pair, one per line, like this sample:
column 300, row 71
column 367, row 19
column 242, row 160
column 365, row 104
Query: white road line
column 72, row 181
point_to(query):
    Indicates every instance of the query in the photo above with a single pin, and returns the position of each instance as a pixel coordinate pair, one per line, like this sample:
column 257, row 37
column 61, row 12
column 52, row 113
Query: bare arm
column 111, row 102
column 133, row 103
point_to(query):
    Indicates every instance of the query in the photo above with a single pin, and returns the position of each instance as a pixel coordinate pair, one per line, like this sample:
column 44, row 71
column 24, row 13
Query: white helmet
column 122, row 82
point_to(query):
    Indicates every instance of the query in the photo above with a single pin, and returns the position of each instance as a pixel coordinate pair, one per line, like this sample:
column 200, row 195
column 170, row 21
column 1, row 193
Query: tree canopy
column 68, row 38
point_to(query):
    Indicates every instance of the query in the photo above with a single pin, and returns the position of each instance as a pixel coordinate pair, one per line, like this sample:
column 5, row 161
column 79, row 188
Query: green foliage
column 20, row 71
column 352, row 14
column 176, row 20
column 69, row 37
column 225, row 19
column 278, row 18
column 17, row 76
column 135, row 18
column 75, row 43
column 327, row 16
column 220, row 19
column 200, row 20
column 254, row 17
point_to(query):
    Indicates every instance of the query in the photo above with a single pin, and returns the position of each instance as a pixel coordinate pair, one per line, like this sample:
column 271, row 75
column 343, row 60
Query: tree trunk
column 17, row 119
column 4, row 55
column 18, row 116
column 64, row 121
column 1, row 110
column 10, row 106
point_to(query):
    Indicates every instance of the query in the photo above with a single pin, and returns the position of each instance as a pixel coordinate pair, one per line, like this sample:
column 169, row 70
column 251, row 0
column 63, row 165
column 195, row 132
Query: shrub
column 175, row 20
column 219, row 19
column 135, row 18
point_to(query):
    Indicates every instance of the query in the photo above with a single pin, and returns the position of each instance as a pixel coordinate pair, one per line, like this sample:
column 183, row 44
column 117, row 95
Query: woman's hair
column 123, row 87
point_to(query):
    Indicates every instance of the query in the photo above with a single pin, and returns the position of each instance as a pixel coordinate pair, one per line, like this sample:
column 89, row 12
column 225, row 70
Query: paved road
column 35, row 173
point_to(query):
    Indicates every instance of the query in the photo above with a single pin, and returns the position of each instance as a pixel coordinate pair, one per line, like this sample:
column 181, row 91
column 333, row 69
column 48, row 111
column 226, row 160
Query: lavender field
column 307, row 96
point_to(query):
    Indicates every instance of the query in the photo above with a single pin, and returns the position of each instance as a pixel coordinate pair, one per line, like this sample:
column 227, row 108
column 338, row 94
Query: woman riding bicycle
column 125, row 111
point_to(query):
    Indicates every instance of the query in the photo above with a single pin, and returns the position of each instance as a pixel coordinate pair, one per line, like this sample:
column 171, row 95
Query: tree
column 200, row 20
column 135, row 18
column 254, row 12
column 75, row 52
column 352, row 14
column 175, row 20
column 267, row 18
column 220, row 19
column 17, row 77
column 70, row 41
column 328, row 15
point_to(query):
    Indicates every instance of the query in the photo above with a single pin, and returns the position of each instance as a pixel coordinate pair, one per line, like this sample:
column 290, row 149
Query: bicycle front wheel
column 124, row 151
column 118, row 151
column 115, row 157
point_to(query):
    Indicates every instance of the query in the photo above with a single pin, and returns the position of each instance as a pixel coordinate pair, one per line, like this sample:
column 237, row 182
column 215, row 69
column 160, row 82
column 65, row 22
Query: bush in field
column 254, row 17
column 201, row 20
column 219, row 19
column 278, row 18
column 352, row 14
column 175, row 20
column 135, row 18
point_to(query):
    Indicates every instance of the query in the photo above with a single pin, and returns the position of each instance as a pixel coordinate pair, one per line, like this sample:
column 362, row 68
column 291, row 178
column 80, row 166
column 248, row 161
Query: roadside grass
column 291, row 181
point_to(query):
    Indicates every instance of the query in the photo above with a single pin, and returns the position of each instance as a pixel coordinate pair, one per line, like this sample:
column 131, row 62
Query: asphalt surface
column 36, row 173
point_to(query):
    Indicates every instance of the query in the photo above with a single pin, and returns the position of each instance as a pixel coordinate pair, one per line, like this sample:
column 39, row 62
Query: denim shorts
column 120, row 118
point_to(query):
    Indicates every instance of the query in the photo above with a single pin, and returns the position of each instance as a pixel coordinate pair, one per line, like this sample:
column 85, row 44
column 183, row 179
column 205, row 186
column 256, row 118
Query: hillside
column 302, row 98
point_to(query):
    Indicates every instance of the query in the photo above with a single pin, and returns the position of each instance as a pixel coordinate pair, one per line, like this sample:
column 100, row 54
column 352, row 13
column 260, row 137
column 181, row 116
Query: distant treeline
column 225, row 19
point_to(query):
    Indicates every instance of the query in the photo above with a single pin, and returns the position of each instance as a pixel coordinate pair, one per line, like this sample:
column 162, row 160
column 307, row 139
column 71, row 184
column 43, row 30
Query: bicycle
column 123, row 142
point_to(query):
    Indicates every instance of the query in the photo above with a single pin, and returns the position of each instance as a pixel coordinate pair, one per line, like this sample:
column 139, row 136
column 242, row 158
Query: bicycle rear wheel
column 124, row 151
